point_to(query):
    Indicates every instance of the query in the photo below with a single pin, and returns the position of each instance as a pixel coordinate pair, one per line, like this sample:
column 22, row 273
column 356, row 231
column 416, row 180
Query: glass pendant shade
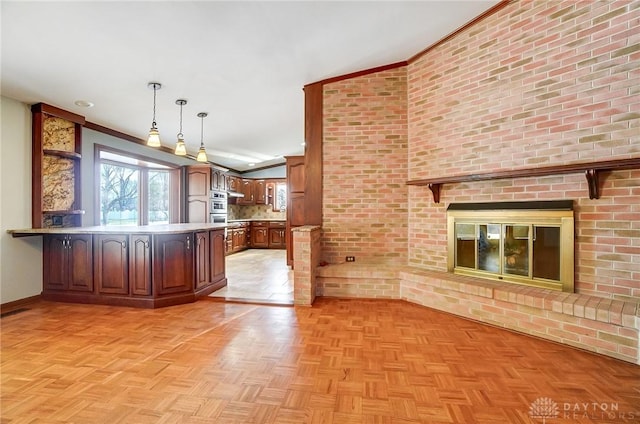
column 154, row 137
column 202, row 155
column 181, row 149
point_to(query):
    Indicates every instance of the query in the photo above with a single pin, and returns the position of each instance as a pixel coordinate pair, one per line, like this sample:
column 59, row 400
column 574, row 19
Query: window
column 135, row 191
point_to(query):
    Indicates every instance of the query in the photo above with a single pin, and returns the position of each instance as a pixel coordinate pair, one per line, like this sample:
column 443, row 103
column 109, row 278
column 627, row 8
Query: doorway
column 258, row 276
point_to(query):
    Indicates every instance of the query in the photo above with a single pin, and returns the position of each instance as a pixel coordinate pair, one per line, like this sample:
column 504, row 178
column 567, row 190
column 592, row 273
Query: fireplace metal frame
column 556, row 214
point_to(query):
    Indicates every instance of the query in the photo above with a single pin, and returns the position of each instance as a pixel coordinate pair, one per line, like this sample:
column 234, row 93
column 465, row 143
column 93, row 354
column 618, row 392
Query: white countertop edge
column 121, row 229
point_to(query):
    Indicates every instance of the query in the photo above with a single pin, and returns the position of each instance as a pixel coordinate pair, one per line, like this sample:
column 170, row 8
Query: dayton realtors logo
column 545, row 408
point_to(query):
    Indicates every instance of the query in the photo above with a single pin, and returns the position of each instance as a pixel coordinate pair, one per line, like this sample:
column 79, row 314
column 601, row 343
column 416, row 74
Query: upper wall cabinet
column 56, row 144
column 218, row 180
column 198, row 193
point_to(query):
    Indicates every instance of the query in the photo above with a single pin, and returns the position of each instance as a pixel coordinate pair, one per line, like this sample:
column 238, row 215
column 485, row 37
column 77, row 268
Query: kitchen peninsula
column 147, row 266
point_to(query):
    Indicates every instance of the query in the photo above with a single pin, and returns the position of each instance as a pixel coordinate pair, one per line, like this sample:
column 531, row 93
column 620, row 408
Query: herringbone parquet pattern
column 339, row 362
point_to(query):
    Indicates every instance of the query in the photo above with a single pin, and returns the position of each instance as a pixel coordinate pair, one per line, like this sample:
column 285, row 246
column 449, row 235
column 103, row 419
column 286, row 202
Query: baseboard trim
column 17, row 304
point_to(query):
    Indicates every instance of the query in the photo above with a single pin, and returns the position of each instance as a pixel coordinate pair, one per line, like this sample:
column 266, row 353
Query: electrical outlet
column 350, row 258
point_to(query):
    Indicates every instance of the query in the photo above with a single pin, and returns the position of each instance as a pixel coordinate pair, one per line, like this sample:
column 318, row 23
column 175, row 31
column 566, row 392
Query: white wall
column 275, row 172
column 20, row 258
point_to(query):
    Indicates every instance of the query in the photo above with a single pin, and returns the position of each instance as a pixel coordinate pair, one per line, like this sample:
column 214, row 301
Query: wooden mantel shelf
column 591, row 171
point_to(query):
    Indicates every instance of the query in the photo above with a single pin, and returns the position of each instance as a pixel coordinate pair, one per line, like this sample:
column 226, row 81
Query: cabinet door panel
column 276, row 238
column 260, row 236
column 80, row 263
column 198, row 187
column 296, row 209
column 173, row 263
column 55, row 262
column 260, row 191
column 295, row 177
column 246, row 188
column 198, row 210
column 112, row 264
column 140, row 265
column 217, row 250
column 202, row 259
column 198, row 182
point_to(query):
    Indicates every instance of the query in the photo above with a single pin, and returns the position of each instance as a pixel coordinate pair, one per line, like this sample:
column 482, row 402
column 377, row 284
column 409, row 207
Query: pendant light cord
column 202, row 131
column 180, row 135
column 154, row 105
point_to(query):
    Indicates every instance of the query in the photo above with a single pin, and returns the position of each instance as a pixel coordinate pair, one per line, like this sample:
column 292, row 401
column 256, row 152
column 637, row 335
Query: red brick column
column 306, row 257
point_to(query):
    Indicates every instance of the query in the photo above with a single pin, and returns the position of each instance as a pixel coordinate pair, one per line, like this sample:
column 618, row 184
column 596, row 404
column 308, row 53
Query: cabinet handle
column 188, row 243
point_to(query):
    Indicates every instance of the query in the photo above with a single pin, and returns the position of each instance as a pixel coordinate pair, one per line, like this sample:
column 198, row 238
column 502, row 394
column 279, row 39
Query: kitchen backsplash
column 254, row 212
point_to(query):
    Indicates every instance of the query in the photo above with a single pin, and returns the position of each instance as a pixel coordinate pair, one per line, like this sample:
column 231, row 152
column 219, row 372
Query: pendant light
column 202, row 154
column 154, row 134
column 181, row 149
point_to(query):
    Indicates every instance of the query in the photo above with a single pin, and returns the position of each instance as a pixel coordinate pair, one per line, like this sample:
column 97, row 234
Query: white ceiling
column 245, row 63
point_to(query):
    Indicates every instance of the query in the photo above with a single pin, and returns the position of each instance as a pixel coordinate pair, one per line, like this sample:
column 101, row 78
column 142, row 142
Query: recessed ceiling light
column 252, row 164
column 83, row 103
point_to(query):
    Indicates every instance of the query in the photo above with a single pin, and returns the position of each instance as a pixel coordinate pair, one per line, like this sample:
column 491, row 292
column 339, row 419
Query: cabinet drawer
column 277, row 224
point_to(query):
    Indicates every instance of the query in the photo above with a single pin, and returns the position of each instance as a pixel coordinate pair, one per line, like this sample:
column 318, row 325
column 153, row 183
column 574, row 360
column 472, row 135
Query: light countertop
column 120, row 229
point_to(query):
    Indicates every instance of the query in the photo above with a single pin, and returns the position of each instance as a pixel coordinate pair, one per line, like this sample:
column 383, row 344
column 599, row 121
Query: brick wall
column 538, row 83
column 365, row 168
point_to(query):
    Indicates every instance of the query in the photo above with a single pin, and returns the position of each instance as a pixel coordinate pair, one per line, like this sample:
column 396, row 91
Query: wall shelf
column 62, row 154
column 64, row 212
column 591, row 171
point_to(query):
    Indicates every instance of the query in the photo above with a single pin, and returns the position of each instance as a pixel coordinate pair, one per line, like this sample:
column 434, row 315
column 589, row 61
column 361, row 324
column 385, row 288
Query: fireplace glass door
column 515, row 250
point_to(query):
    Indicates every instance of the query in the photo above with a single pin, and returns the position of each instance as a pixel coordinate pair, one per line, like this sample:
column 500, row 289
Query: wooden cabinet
column 209, row 256
column 172, row 263
column 67, row 262
column 233, row 183
column 259, row 234
column 55, row 161
column 246, row 188
column 203, row 263
column 111, row 263
column 239, row 237
column 277, row 235
column 295, row 200
column 295, row 174
column 140, row 264
column 122, row 264
column 260, row 192
column 131, row 269
column 217, row 267
column 198, row 193
column 218, row 180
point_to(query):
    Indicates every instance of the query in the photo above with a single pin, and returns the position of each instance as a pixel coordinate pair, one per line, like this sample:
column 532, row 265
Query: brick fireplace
column 532, row 85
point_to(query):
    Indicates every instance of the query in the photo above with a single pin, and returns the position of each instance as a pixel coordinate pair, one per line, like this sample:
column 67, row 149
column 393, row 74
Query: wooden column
column 313, row 153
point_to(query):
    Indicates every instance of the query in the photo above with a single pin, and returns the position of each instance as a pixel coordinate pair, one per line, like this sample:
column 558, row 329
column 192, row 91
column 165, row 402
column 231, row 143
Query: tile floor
column 258, row 276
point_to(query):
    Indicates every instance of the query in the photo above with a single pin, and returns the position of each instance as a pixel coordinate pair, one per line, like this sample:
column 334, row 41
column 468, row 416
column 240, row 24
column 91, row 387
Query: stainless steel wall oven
column 218, row 214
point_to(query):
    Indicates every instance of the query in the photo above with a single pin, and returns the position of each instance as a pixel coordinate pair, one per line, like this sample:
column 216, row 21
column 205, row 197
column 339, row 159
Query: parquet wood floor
column 338, row 362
